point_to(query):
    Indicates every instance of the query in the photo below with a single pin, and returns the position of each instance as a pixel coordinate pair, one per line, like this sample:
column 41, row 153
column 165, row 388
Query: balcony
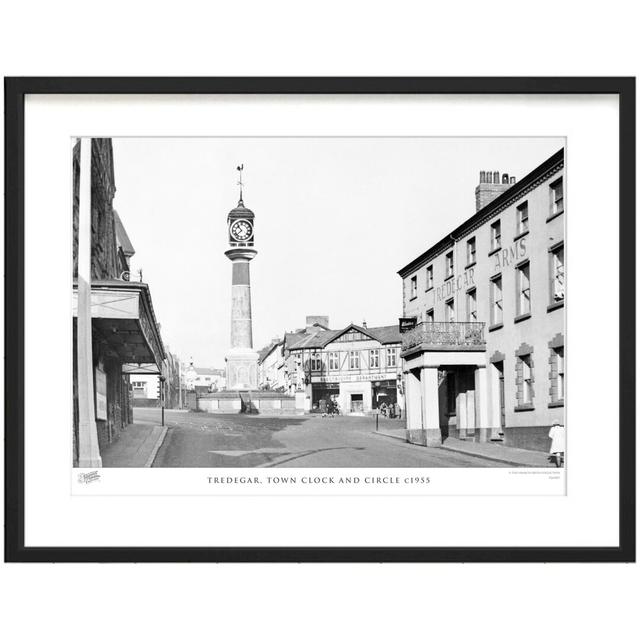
column 444, row 336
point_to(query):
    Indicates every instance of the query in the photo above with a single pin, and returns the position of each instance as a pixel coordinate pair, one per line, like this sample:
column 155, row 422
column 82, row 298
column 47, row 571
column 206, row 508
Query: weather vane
column 240, row 169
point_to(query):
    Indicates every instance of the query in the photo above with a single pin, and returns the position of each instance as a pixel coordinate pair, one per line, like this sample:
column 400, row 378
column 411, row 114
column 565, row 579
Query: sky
column 335, row 219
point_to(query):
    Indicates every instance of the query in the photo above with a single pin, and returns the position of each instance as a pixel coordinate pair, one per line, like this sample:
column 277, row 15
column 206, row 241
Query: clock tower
column 242, row 360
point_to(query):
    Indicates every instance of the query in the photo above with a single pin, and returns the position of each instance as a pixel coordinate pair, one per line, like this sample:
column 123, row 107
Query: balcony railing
column 446, row 335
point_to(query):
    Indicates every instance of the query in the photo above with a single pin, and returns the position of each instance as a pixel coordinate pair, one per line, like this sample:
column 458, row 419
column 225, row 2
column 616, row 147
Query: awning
column 124, row 322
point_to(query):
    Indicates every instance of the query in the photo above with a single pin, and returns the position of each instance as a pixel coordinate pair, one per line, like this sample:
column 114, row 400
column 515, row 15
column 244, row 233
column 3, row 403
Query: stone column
column 461, row 414
column 493, row 396
column 242, row 360
column 241, row 328
column 471, row 412
column 413, row 405
column 482, row 404
column 430, row 406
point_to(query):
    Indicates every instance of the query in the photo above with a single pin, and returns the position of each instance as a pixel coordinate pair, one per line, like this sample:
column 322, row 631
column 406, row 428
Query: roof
column 293, row 338
column 241, row 211
column 485, row 213
column 389, row 334
column 318, row 340
column 122, row 236
column 265, row 351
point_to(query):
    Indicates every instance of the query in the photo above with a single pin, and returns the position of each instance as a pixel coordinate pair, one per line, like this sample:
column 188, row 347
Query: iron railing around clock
column 448, row 335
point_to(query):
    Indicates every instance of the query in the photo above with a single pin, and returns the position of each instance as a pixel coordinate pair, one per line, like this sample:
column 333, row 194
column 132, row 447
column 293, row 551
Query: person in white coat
column 557, row 435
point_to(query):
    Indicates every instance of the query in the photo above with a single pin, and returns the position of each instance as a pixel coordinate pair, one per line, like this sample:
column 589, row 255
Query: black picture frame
column 15, row 91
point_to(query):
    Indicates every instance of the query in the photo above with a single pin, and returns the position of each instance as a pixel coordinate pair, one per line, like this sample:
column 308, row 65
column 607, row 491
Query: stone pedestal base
column 425, row 437
column 242, row 370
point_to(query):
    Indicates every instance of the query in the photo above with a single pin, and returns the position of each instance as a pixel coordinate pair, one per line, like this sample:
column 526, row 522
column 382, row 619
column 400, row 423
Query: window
column 496, row 235
column 557, row 274
column 414, row 286
column 557, row 198
column 374, row 358
column 334, row 363
column 525, row 380
column 471, row 251
column 449, row 262
column 316, row 362
column 391, row 357
column 354, row 359
column 429, row 277
column 496, row 300
column 450, row 310
column 429, row 317
column 523, row 290
column 523, row 218
column 472, row 309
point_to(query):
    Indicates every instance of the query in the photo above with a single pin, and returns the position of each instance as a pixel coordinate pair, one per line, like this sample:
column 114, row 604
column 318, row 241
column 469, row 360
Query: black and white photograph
column 319, row 302
column 320, row 327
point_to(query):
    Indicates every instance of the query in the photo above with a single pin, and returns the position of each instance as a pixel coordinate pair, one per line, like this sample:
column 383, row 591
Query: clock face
column 241, row 230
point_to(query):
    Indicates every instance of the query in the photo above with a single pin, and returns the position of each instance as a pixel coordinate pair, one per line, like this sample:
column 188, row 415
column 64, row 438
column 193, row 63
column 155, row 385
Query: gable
column 352, row 335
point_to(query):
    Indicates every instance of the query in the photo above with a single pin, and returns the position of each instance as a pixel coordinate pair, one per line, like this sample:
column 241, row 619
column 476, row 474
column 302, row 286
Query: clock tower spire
column 242, row 360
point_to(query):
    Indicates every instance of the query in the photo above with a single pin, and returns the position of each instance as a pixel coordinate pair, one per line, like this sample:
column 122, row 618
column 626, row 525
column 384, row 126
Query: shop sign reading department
column 351, row 377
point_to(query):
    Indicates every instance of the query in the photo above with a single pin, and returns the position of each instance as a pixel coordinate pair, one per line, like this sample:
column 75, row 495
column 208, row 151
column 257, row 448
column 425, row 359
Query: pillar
column 471, row 411
column 88, row 450
column 430, row 406
column 413, row 405
column 493, row 395
column 242, row 360
column 461, row 414
column 482, row 404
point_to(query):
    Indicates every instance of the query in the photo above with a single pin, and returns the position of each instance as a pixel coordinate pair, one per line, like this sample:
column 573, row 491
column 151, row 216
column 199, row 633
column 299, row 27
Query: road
column 214, row 440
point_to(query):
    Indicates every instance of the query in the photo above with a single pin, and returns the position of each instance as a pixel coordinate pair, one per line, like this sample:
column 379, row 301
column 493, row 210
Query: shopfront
column 125, row 341
column 325, row 397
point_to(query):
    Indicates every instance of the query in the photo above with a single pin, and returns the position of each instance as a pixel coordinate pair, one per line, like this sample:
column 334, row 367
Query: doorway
column 357, row 403
column 500, row 367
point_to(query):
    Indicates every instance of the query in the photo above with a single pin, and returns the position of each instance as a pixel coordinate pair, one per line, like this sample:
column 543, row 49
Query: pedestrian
column 557, row 435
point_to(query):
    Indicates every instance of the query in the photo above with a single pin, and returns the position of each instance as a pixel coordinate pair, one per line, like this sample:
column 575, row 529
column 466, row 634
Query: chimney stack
column 312, row 321
column 491, row 186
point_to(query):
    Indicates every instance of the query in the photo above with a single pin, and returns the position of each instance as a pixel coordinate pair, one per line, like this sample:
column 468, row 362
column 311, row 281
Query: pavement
column 495, row 451
column 137, row 446
column 207, row 440
column 484, row 450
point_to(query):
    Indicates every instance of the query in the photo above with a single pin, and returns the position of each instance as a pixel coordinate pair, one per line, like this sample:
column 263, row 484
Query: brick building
column 486, row 360
column 124, row 333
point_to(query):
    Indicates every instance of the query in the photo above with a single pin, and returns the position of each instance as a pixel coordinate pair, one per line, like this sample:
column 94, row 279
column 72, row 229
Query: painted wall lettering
column 506, row 257
column 454, row 285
